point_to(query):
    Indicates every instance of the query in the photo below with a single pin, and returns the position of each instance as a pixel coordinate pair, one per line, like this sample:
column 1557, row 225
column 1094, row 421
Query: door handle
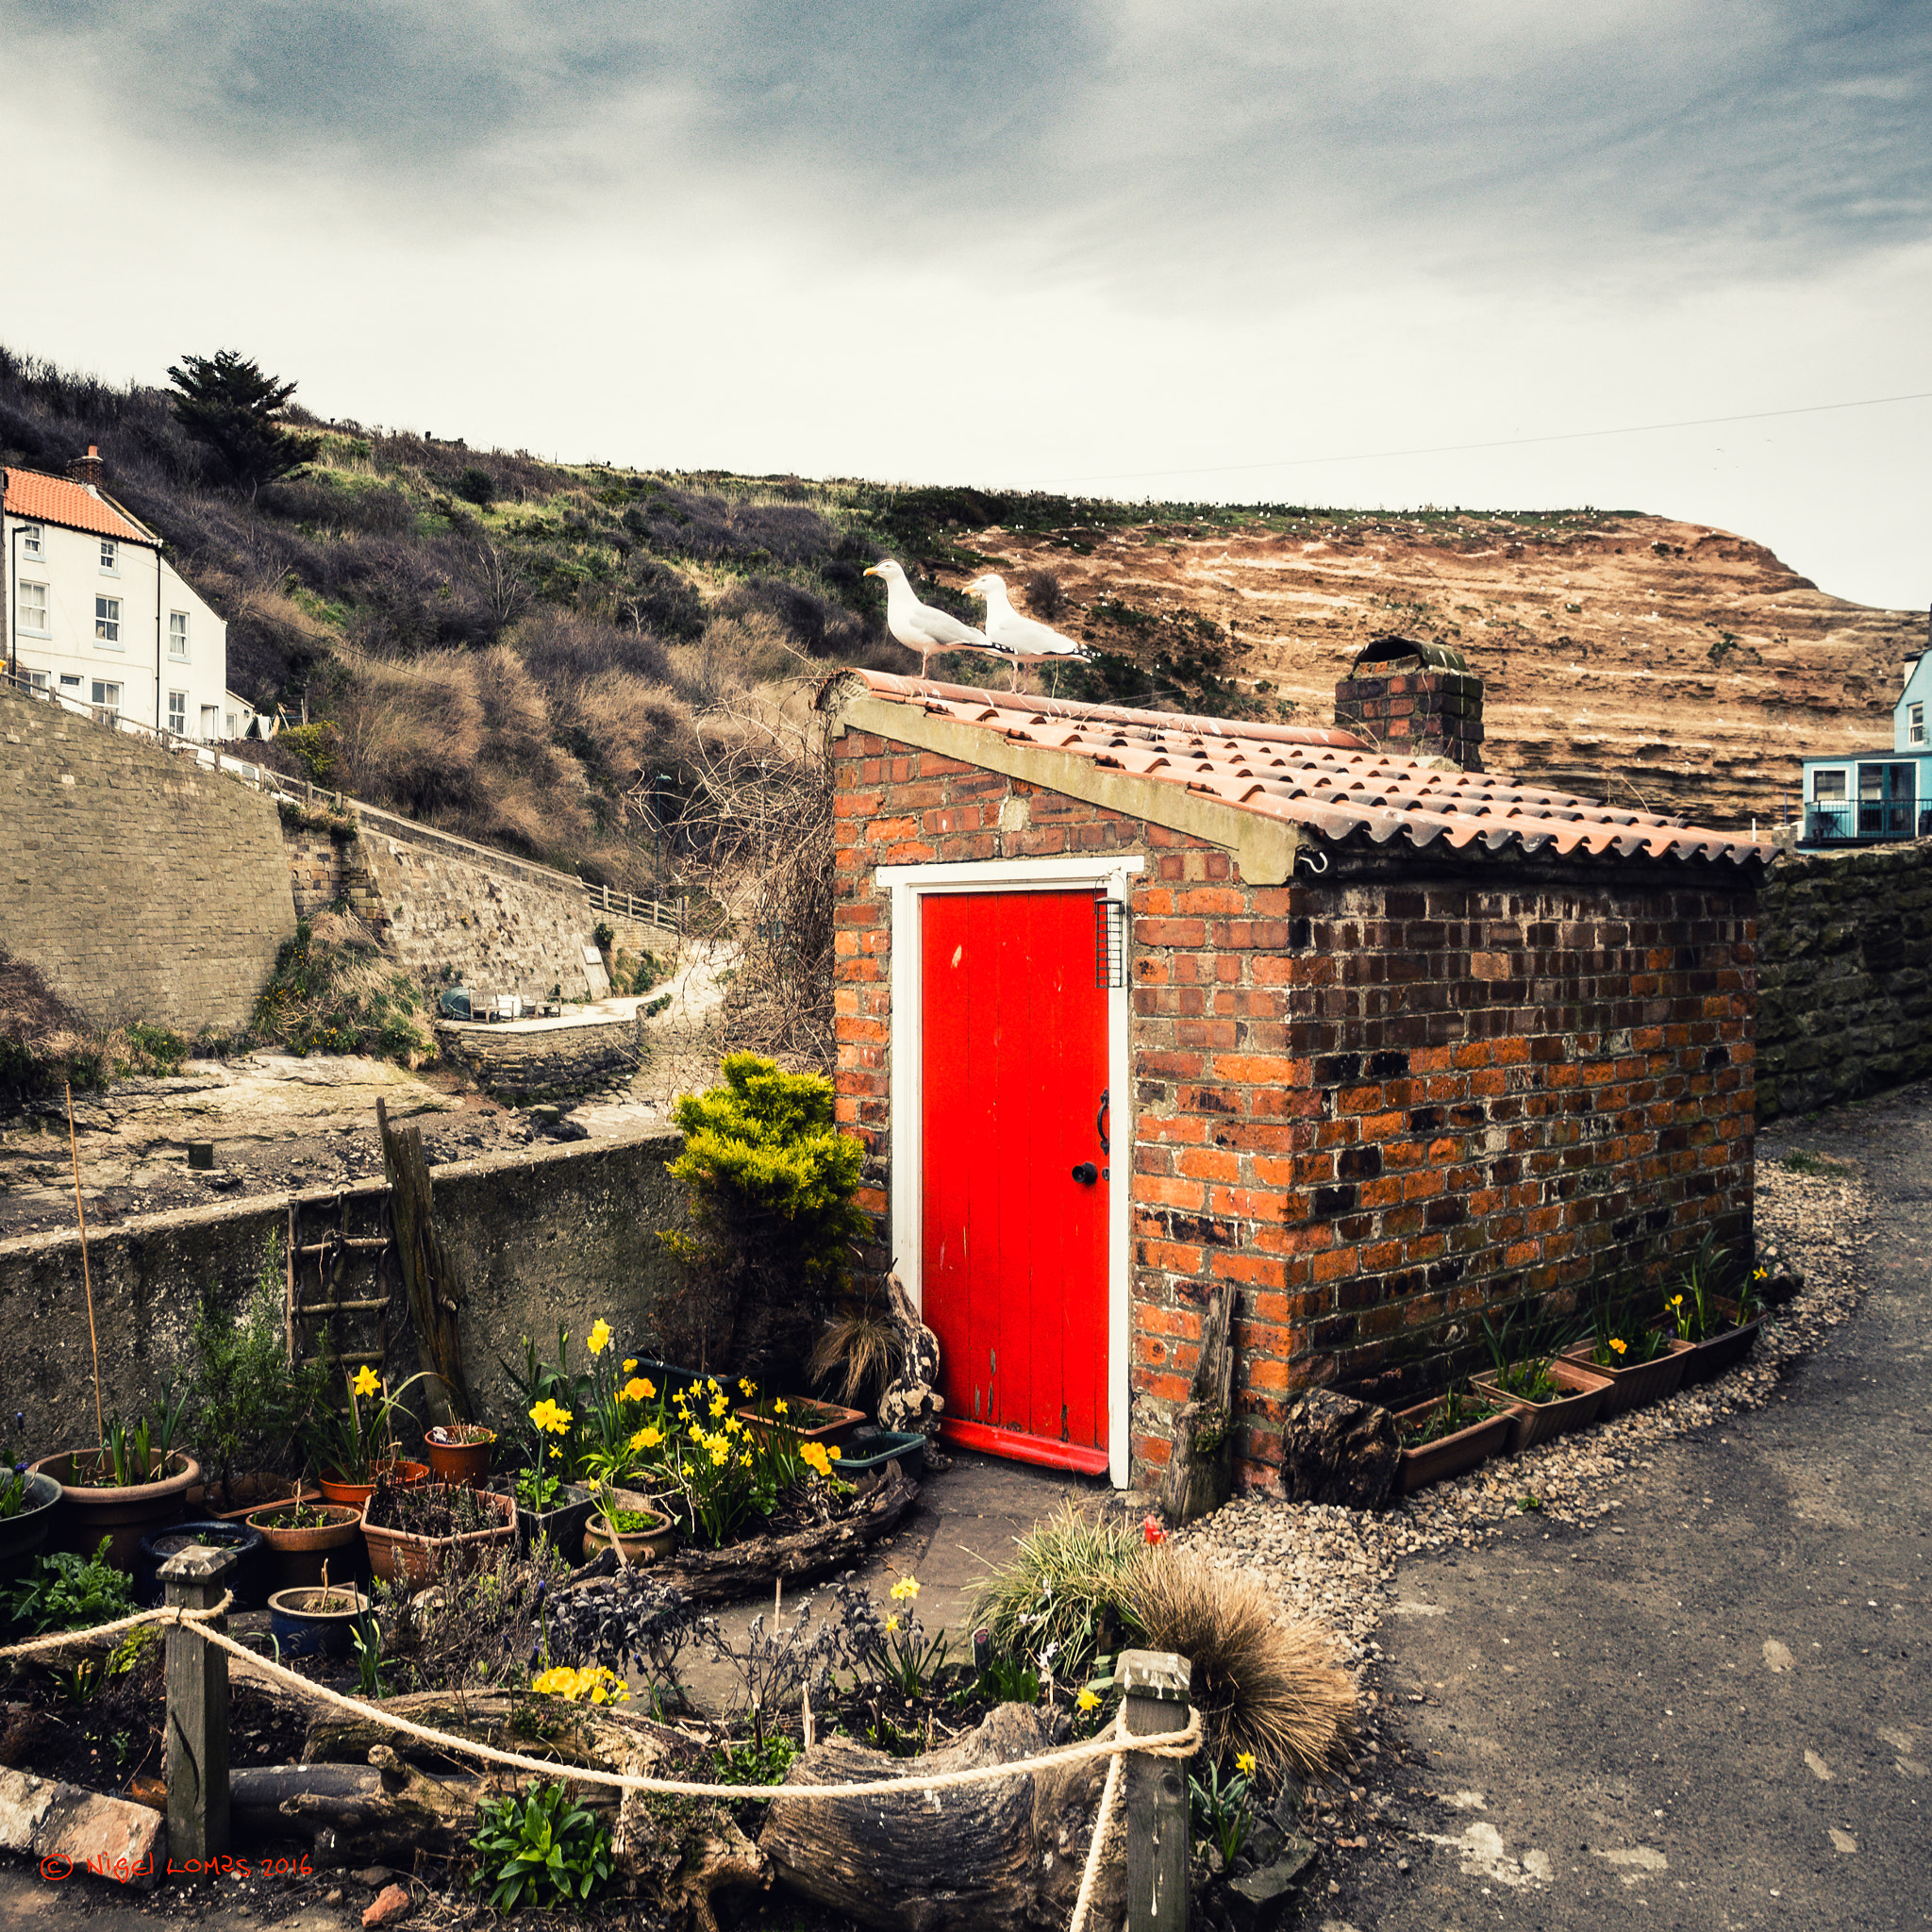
column 1100, row 1123
column 1086, row 1173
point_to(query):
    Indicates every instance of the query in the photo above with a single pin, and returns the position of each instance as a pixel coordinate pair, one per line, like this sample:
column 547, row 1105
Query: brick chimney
column 1415, row 700
column 88, row 469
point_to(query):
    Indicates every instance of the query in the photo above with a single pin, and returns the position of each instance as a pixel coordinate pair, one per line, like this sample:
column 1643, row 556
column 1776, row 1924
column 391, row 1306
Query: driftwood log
column 1009, row 1852
column 677, row 1856
column 429, row 1277
column 1199, row 1477
column 751, row 1568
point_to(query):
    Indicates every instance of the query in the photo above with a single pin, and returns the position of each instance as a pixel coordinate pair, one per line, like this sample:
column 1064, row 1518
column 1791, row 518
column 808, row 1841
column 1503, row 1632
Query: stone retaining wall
column 1844, row 975
column 552, row 1057
column 559, row 1235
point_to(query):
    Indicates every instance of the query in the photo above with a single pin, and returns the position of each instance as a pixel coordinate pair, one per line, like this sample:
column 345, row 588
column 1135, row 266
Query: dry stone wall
column 1844, row 988
column 139, row 885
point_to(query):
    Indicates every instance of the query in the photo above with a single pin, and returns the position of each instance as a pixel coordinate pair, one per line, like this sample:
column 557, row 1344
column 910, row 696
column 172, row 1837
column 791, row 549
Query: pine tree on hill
column 226, row 402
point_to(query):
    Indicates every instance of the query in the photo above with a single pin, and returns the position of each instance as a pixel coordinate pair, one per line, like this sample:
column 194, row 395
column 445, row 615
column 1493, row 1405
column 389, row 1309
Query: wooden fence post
column 197, row 1686
column 1154, row 1687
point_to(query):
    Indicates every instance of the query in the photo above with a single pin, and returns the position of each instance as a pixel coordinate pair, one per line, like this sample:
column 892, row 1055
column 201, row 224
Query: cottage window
column 30, row 543
column 177, row 713
column 177, row 634
column 31, row 608
column 107, row 621
column 1915, row 722
column 70, row 680
column 1828, row 785
column 106, row 702
column 110, row 556
column 36, row 680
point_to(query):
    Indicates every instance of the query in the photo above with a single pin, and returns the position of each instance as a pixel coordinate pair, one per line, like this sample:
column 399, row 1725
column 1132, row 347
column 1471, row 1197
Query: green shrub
column 540, row 1849
column 69, row 1593
column 772, row 1182
column 1059, row 1599
column 318, row 748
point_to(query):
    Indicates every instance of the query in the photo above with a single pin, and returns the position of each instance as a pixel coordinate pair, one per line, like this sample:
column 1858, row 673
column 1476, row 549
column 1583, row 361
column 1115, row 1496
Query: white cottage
column 97, row 615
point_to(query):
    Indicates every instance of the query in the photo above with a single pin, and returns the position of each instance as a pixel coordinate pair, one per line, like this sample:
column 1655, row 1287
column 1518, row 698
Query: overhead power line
column 1442, row 449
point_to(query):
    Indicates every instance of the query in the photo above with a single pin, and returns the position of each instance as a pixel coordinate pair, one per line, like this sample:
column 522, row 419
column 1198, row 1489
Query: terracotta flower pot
column 124, row 1516
column 833, row 1430
column 1446, row 1455
column 416, row 1560
column 633, row 1545
column 1716, row 1353
column 253, row 1491
column 1640, row 1384
column 23, row 1534
column 458, row 1462
column 299, row 1556
column 1537, row 1422
column 337, row 1487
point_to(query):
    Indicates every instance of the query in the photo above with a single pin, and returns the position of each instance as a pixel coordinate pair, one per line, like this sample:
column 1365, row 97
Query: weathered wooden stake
column 1155, row 1685
column 197, row 1681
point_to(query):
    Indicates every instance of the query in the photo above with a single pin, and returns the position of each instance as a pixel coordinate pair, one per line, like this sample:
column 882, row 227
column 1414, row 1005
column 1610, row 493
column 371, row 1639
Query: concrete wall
column 1844, row 975
column 562, row 1234
column 140, row 886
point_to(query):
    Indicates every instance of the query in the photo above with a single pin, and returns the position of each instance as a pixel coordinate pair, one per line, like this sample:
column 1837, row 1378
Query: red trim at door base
column 1017, row 1447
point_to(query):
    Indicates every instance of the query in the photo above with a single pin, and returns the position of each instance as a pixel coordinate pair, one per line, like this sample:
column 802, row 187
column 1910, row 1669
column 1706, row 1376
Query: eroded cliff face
column 1624, row 657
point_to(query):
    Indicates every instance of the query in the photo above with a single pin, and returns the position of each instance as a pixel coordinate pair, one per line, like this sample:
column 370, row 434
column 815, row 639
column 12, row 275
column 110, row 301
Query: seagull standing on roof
column 1019, row 638
column 920, row 626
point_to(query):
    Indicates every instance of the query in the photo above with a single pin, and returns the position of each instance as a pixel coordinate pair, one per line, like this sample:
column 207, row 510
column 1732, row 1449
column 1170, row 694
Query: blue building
column 1860, row 797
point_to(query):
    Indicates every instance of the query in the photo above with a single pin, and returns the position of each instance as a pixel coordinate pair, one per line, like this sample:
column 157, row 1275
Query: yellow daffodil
column 905, row 1587
column 891, row 1623
column 630, row 1366
column 1088, row 1700
column 745, row 1458
column 720, row 1405
column 367, row 1381
column 1619, row 1345
column 747, row 1389
column 1244, row 1763
column 599, row 1339
column 546, row 1415
column 638, row 1390
column 647, row 1439
column 779, row 1406
column 1676, row 1301
column 720, row 1452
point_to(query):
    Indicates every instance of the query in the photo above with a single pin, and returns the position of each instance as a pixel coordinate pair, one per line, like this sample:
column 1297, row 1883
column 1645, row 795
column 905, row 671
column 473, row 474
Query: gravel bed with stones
column 1336, row 1566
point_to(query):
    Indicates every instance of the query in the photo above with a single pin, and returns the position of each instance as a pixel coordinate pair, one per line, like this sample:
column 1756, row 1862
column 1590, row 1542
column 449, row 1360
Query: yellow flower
column 837, row 1455
column 779, row 1406
column 711, row 1383
column 891, row 1623
column 720, row 1404
column 557, row 1455
column 1676, row 1301
column 1088, row 1700
column 1760, row 1275
column 600, row 1337
column 638, row 1390
column 1619, row 1346
column 813, row 1455
column 745, row 1458
column 546, row 1415
column 905, row 1587
column 720, row 1452
column 746, row 1387
column 367, row 1381
column 1244, row 1763
column 647, row 1439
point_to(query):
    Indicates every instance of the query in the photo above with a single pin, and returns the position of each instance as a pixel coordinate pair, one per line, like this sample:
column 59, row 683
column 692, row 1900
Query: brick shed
column 1132, row 1005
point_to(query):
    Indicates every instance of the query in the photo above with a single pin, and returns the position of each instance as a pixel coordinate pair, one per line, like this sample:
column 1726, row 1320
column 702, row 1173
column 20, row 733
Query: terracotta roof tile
column 1326, row 781
column 72, row 505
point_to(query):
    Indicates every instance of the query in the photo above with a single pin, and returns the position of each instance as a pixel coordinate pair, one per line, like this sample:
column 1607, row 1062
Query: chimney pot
column 1414, row 700
column 88, row 470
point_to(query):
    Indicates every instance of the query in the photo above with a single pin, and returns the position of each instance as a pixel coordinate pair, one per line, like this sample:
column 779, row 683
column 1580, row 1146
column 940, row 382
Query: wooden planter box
column 1537, row 1422
column 1642, row 1383
column 1447, row 1455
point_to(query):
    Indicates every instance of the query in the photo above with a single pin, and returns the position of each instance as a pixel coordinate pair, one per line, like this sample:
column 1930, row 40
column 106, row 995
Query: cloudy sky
column 1289, row 250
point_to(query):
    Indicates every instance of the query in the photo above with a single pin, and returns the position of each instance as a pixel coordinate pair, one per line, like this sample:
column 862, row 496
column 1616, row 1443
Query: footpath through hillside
column 1716, row 1713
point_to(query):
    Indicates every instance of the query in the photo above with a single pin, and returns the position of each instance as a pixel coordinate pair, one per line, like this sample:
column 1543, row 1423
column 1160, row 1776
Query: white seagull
column 920, row 626
column 1016, row 637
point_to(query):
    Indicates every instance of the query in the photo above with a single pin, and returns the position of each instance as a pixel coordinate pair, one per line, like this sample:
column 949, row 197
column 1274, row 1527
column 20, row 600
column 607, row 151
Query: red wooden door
column 1014, row 1245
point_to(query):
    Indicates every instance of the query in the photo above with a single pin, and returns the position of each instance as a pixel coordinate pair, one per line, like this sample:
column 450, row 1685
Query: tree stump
column 1199, row 1475
column 1009, row 1852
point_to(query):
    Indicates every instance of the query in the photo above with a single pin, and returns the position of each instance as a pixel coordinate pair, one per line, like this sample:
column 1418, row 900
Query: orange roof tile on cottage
column 69, row 506
column 1324, row 781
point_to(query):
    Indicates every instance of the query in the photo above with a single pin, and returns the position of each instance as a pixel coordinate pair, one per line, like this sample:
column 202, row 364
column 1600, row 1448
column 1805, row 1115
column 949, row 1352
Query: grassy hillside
column 547, row 658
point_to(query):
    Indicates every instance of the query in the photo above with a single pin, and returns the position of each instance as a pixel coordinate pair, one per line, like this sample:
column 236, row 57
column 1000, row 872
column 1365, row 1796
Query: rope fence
column 1117, row 1745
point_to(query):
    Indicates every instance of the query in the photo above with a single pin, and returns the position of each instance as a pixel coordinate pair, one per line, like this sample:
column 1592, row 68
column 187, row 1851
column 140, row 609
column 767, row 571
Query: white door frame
column 909, row 884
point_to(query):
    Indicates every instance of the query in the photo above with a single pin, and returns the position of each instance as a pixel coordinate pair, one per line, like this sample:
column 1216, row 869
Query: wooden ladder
column 342, row 1274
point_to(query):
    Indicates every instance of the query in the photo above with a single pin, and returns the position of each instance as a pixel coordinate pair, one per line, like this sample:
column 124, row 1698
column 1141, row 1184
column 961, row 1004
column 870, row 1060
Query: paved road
column 1722, row 1716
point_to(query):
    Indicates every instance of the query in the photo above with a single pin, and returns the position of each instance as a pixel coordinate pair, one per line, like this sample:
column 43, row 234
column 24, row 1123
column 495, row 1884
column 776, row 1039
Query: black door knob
column 1086, row 1173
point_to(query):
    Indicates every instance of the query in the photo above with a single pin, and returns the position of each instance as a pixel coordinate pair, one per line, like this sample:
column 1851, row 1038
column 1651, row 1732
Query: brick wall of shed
column 1370, row 1106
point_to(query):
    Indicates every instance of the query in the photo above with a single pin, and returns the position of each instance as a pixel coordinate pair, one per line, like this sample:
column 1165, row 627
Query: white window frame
column 177, row 713
column 71, row 680
column 107, row 623
column 36, row 680
column 177, row 637
column 20, row 617
column 1915, row 725
column 911, row 884
column 110, row 556
column 33, row 542
column 102, row 703
column 1838, row 797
